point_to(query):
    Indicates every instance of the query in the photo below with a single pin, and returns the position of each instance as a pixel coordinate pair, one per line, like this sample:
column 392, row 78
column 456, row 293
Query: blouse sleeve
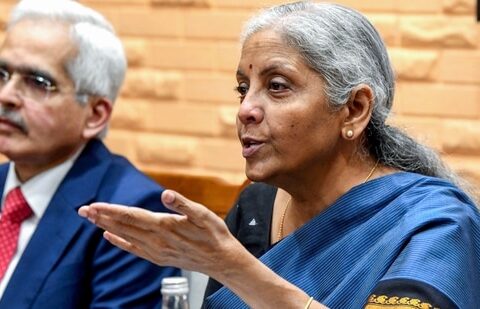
column 407, row 294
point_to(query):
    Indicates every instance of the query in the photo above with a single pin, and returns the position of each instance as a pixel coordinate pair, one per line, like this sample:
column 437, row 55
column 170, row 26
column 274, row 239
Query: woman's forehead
column 264, row 39
column 267, row 45
column 271, row 57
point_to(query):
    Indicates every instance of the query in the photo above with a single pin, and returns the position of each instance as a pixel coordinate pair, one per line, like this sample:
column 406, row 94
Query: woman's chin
column 254, row 175
column 258, row 175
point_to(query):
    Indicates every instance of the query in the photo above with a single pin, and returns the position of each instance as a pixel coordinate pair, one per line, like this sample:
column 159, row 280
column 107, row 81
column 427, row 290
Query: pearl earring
column 349, row 133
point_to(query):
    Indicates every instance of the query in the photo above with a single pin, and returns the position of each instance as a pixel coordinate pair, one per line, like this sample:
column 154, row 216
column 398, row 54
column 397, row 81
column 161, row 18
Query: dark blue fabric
column 67, row 263
column 402, row 225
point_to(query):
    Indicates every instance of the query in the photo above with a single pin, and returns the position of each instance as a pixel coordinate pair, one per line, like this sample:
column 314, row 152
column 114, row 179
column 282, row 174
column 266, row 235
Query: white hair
column 342, row 46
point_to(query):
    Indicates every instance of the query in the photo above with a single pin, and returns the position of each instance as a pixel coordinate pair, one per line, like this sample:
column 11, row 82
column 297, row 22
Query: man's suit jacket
column 67, row 263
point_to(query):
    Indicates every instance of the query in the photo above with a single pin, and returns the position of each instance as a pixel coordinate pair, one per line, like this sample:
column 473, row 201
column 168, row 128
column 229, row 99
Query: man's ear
column 98, row 117
column 358, row 112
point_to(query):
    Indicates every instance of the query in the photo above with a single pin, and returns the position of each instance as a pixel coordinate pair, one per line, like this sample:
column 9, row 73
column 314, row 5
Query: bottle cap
column 174, row 285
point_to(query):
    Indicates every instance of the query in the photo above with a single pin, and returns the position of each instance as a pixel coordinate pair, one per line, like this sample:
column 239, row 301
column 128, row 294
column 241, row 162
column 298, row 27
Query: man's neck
column 27, row 170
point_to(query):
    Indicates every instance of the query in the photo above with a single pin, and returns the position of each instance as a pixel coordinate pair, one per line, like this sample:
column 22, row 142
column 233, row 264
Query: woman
column 346, row 211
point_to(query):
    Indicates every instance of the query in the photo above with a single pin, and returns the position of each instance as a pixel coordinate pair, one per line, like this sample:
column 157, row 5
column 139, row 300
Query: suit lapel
column 59, row 224
column 3, row 176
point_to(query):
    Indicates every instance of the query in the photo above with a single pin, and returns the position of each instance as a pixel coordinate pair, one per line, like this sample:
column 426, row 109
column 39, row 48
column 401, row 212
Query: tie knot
column 16, row 208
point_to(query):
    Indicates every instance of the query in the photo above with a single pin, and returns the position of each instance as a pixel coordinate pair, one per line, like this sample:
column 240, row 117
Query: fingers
column 120, row 242
column 123, row 244
column 196, row 213
column 86, row 212
column 163, row 238
column 133, row 216
column 134, row 249
column 132, row 224
column 138, row 231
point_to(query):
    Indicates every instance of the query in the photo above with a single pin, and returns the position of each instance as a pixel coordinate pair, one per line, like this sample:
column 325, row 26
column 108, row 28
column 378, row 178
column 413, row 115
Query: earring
column 349, row 133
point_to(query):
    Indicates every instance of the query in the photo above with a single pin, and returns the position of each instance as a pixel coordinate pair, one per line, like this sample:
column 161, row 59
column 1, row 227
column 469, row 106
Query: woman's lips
column 250, row 147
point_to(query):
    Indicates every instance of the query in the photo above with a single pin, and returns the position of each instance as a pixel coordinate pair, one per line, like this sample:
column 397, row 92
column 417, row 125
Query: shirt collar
column 39, row 190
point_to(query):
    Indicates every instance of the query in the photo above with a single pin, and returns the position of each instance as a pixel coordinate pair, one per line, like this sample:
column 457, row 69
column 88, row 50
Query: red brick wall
column 177, row 109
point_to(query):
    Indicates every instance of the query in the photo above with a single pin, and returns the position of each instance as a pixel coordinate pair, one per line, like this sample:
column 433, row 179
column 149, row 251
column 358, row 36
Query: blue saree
column 380, row 244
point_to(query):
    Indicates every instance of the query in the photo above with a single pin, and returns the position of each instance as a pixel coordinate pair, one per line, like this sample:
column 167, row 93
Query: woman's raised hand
column 195, row 238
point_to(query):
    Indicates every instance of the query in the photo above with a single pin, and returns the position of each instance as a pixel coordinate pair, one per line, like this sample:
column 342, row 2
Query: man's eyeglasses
column 30, row 84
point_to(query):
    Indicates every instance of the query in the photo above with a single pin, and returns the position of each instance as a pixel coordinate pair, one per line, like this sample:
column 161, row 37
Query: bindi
column 250, row 66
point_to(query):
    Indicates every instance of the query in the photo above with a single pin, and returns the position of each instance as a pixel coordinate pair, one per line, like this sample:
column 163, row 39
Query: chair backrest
column 215, row 193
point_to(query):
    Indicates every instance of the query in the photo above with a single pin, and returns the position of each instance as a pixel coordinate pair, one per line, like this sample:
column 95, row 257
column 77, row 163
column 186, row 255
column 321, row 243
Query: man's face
column 41, row 124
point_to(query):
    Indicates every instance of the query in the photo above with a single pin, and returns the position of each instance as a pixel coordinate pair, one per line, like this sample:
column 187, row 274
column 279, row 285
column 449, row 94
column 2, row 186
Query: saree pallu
column 401, row 229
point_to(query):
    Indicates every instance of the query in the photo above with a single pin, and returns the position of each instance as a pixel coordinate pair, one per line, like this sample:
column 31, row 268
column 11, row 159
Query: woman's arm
column 195, row 239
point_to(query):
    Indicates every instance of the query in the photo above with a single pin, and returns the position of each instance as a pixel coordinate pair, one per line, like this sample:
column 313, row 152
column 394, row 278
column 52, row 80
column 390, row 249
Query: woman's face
column 284, row 122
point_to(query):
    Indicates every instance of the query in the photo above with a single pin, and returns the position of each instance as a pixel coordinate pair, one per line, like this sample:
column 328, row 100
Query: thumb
column 195, row 212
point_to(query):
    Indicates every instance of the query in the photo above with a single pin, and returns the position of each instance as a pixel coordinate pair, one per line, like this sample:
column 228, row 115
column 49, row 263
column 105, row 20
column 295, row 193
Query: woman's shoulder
column 416, row 200
column 434, row 190
column 435, row 198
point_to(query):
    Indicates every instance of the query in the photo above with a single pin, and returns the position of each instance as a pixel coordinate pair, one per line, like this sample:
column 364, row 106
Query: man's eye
column 39, row 82
column 4, row 75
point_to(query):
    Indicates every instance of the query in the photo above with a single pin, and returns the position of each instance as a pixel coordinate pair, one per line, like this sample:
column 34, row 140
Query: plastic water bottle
column 175, row 293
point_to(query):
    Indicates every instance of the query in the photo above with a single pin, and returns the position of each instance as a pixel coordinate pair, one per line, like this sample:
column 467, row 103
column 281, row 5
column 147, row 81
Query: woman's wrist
column 309, row 302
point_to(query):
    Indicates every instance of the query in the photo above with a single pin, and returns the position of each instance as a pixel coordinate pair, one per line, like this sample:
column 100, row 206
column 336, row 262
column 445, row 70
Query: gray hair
column 343, row 47
column 98, row 68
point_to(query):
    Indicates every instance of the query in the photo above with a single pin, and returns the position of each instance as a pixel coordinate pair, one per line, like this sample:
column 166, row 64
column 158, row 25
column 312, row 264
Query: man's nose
column 10, row 92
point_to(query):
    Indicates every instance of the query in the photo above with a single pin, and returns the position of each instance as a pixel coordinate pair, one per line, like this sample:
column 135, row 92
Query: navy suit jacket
column 67, row 263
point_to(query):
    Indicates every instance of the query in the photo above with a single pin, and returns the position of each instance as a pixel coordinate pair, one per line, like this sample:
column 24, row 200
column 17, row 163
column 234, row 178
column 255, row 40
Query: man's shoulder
column 113, row 178
column 116, row 169
column 4, row 167
column 123, row 170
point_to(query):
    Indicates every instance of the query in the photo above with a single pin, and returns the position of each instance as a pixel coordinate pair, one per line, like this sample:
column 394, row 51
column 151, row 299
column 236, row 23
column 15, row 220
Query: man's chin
column 8, row 149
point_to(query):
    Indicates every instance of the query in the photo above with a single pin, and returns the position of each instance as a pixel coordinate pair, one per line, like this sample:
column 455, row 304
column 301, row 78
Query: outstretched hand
column 194, row 239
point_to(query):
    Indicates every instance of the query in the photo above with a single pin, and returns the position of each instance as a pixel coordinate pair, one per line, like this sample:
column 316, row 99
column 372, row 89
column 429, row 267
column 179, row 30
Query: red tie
column 14, row 211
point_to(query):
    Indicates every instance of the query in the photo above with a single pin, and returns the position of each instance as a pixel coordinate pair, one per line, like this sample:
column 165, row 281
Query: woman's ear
column 98, row 117
column 358, row 112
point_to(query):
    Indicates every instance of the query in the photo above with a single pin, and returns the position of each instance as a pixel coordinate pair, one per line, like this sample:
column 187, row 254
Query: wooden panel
column 213, row 192
column 478, row 10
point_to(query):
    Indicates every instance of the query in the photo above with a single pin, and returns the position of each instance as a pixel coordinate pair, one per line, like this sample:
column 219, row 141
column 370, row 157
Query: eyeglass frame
column 38, row 81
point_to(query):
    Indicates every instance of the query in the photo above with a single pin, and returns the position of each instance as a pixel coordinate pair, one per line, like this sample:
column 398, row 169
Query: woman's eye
column 277, row 86
column 242, row 89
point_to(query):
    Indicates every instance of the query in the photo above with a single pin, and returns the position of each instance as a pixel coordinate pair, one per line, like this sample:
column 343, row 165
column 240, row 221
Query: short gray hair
column 343, row 47
column 99, row 66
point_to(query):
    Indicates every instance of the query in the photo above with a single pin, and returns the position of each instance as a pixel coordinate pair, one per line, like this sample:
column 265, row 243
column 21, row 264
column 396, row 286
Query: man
column 61, row 67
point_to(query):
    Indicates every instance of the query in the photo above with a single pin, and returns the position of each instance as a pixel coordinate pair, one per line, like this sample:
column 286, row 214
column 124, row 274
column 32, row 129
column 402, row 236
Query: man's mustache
column 13, row 117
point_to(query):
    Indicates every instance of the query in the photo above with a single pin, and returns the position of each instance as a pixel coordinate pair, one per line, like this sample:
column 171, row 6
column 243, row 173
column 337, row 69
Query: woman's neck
column 307, row 195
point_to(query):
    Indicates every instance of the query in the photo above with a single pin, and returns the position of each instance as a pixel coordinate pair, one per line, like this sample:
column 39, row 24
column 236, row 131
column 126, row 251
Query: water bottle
column 175, row 293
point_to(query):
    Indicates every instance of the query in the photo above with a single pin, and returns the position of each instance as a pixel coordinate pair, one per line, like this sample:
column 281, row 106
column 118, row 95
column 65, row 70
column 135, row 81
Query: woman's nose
column 250, row 110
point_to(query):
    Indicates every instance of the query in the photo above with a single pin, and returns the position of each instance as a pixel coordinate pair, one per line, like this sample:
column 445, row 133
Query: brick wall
column 177, row 109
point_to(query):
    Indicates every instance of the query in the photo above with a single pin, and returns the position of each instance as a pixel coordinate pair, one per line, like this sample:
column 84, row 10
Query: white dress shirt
column 38, row 192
